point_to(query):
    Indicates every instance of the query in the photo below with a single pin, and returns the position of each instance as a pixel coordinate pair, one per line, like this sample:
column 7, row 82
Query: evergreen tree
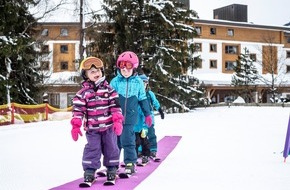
column 245, row 76
column 161, row 34
column 18, row 76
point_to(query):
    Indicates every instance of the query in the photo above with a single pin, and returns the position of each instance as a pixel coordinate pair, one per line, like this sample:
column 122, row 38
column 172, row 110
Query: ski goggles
column 125, row 64
column 89, row 62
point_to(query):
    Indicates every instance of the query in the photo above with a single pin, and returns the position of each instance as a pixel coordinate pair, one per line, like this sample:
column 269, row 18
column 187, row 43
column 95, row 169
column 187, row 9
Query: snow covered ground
column 222, row 148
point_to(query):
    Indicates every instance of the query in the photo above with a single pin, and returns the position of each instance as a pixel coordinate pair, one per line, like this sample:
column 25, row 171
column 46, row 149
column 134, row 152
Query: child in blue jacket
column 154, row 104
column 142, row 141
column 131, row 94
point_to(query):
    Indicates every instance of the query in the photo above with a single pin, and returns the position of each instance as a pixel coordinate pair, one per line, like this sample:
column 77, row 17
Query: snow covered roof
column 62, row 78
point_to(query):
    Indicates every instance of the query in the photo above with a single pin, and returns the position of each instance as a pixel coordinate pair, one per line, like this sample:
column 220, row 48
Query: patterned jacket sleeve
column 79, row 105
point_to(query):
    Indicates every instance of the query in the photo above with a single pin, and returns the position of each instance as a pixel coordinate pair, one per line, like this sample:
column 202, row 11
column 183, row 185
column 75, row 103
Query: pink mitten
column 148, row 120
column 76, row 128
column 117, row 126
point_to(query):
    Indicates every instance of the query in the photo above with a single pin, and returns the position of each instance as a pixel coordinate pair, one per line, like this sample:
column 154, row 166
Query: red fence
column 20, row 113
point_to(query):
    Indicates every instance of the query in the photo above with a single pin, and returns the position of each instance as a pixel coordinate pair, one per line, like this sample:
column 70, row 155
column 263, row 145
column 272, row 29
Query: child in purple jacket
column 97, row 107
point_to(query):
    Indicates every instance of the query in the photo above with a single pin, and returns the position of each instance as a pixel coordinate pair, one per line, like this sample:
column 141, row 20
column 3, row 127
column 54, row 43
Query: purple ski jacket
column 95, row 104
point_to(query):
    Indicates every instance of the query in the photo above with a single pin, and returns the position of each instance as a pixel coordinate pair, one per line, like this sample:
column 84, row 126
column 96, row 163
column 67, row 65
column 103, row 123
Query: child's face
column 94, row 74
column 126, row 72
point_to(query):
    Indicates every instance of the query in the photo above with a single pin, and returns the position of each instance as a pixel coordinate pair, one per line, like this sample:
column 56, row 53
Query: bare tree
column 43, row 9
column 273, row 66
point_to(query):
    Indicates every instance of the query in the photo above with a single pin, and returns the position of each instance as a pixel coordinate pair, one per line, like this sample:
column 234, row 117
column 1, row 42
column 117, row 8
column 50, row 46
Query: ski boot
column 89, row 178
column 145, row 160
column 154, row 157
column 129, row 170
column 111, row 175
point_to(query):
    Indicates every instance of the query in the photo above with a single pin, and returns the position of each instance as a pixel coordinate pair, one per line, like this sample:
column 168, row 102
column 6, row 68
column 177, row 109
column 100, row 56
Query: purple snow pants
column 99, row 143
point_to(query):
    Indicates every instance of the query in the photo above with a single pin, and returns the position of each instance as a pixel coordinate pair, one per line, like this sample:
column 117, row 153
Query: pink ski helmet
column 128, row 56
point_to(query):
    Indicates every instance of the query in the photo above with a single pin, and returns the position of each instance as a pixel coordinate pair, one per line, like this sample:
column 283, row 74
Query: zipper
column 126, row 99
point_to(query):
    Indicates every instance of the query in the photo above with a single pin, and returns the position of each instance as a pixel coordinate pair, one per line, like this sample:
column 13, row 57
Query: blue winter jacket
column 154, row 104
column 131, row 94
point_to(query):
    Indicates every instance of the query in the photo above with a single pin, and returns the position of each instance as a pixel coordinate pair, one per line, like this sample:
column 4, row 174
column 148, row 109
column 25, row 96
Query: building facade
column 219, row 44
column 59, row 45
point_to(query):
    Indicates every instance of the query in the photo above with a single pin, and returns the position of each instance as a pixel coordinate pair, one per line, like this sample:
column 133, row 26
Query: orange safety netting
column 27, row 113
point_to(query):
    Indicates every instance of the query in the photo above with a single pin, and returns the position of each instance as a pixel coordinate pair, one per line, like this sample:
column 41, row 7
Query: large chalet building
column 219, row 43
column 59, row 46
column 224, row 38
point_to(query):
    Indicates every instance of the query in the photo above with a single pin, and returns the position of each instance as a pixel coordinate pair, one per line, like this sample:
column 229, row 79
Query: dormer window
column 63, row 32
column 213, row 31
column 230, row 32
column 198, row 30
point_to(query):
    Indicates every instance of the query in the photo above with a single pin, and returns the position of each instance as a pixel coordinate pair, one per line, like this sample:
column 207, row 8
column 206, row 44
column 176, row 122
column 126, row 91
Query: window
column 231, row 49
column 44, row 32
column 212, row 47
column 198, row 30
column 63, row 32
column 230, row 32
column 198, row 46
column 44, row 65
column 64, row 49
column 213, row 64
column 287, row 54
column 213, row 31
column 288, row 40
column 69, row 99
column 287, row 68
column 229, row 66
column 54, row 100
column 253, row 57
column 45, row 49
column 64, row 65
